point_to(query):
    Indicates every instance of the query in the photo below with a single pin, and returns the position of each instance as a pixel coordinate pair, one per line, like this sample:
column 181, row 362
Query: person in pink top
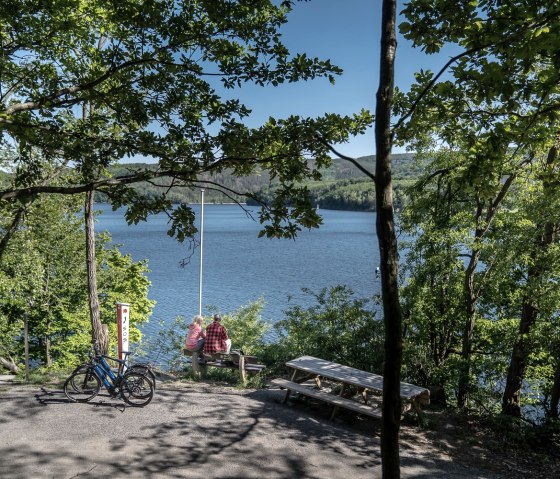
column 195, row 335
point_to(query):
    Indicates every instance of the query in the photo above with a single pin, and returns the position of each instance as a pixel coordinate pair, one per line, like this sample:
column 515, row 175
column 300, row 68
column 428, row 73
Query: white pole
column 201, row 244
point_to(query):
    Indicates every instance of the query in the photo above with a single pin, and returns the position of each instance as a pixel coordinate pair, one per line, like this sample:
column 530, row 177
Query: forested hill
column 404, row 167
column 343, row 186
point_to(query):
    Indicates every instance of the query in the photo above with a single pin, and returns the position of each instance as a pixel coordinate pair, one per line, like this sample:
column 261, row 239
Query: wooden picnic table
column 362, row 385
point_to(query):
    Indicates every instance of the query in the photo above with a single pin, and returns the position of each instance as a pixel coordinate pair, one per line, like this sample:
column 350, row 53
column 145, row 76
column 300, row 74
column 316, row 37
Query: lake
column 239, row 267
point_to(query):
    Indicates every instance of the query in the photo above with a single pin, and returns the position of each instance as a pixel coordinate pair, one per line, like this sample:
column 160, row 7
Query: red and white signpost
column 123, row 316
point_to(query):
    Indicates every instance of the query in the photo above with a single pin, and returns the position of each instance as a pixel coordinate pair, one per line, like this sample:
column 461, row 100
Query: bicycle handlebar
column 98, row 354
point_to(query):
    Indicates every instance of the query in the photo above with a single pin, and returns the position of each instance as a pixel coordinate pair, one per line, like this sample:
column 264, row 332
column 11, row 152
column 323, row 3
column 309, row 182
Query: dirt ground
column 470, row 441
column 464, row 443
column 211, row 430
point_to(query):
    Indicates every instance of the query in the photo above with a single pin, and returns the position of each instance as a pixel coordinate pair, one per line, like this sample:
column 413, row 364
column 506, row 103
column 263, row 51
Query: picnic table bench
column 234, row 360
column 359, row 391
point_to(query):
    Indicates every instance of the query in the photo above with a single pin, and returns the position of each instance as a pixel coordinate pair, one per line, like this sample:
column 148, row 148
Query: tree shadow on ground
column 419, row 458
column 193, row 430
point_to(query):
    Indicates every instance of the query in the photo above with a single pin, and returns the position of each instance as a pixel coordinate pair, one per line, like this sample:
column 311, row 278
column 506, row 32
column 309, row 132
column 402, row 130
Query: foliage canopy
column 85, row 84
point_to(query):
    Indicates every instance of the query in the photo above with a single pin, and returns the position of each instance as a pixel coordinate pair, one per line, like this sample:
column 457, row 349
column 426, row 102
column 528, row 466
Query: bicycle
column 135, row 387
column 143, row 368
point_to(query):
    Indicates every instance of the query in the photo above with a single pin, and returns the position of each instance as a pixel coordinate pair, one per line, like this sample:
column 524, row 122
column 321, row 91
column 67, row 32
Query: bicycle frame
column 105, row 373
column 110, row 378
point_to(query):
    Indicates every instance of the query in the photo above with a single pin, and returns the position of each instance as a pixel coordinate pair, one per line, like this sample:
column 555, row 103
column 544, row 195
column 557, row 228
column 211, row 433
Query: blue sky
column 348, row 33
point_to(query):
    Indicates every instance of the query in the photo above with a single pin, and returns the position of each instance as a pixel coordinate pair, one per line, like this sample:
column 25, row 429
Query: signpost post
column 123, row 316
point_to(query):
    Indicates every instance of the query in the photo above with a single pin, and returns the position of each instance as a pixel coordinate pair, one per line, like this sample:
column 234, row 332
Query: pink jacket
column 193, row 335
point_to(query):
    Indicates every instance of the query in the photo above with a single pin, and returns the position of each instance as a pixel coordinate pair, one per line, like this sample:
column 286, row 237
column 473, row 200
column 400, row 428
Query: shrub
column 338, row 328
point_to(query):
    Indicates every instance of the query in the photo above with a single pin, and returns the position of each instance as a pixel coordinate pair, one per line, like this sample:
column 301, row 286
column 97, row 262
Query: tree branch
column 432, row 82
column 33, row 105
column 370, row 175
column 91, row 186
column 470, row 51
column 12, row 229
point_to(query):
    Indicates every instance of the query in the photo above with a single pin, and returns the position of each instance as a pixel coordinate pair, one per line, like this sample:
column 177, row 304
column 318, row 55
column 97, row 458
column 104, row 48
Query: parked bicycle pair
column 135, row 384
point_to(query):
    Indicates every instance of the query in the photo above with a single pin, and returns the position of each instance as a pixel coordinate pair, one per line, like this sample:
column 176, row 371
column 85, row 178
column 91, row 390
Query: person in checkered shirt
column 217, row 340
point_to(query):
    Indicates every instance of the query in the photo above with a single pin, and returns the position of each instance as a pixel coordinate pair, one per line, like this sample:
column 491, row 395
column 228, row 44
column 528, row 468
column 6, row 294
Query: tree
column 538, row 273
column 43, row 277
column 433, row 274
column 154, row 85
column 502, row 105
column 385, row 227
column 37, row 265
column 388, row 255
column 99, row 331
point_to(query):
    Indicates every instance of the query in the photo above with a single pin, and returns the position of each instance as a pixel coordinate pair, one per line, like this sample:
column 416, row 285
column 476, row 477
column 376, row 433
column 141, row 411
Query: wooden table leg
column 363, row 393
column 294, row 374
column 335, row 408
column 318, row 381
column 198, row 369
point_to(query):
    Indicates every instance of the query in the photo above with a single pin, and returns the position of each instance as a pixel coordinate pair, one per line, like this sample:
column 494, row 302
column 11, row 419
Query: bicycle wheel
column 145, row 370
column 136, row 389
column 82, row 386
column 77, row 380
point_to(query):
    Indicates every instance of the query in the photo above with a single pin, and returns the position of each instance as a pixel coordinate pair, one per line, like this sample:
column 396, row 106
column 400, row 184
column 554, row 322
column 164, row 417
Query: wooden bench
column 371, row 409
column 243, row 363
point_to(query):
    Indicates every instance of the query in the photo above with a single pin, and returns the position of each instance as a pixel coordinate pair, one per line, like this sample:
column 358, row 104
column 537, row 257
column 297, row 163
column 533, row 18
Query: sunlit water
column 239, row 267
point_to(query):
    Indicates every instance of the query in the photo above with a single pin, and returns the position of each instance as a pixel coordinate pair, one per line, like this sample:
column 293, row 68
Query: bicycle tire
column 146, row 370
column 72, row 383
column 82, row 386
column 136, row 389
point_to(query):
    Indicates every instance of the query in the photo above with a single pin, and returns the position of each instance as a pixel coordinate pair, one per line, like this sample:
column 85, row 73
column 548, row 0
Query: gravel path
column 200, row 430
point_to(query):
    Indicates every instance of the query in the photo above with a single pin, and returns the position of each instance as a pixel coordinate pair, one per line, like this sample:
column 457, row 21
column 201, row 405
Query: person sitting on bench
column 195, row 336
column 217, row 340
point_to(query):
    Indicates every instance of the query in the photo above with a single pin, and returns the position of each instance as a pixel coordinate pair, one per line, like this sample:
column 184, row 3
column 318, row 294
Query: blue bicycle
column 132, row 384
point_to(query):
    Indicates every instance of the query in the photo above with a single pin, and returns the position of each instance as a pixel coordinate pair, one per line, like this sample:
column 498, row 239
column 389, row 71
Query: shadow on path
column 194, row 430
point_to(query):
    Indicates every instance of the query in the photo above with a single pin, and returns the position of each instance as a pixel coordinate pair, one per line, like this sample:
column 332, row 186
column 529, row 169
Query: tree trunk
column 48, row 356
column 471, row 292
column 518, row 362
column 388, row 248
column 9, row 364
column 471, row 308
column 555, row 395
column 99, row 333
column 511, row 399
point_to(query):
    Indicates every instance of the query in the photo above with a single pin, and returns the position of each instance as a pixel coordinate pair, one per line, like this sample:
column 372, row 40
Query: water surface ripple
column 239, row 267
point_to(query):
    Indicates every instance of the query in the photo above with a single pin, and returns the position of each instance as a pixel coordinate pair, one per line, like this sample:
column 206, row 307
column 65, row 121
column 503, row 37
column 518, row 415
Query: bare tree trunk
column 48, row 356
column 388, row 248
column 99, row 332
column 26, row 344
column 9, row 364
